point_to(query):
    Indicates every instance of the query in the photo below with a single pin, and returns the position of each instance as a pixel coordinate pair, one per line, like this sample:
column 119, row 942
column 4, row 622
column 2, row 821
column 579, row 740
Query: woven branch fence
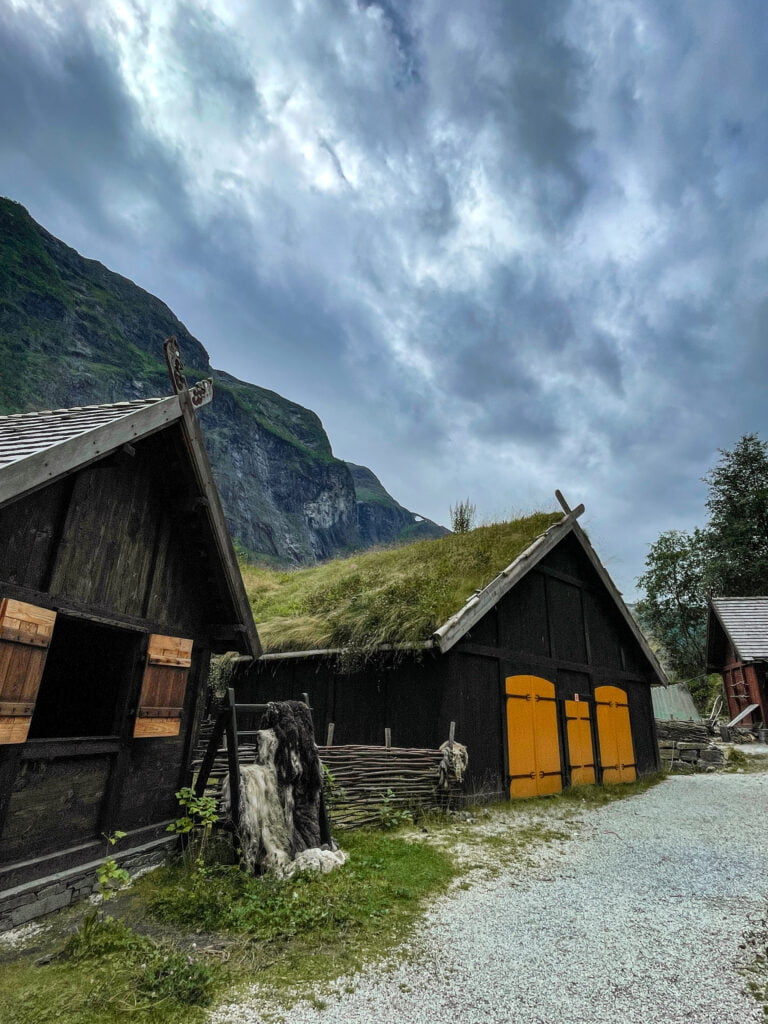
column 363, row 780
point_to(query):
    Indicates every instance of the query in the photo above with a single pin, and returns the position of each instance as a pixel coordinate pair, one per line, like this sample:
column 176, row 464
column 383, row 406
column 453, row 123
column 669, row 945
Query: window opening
column 85, row 681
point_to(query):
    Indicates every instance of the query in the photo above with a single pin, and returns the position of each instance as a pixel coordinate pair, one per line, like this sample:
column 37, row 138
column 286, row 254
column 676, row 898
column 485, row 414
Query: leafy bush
column 391, row 815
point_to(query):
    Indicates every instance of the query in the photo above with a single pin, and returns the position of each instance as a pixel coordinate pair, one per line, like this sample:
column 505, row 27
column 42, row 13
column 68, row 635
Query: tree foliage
column 674, row 609
column 737, row 535
column 728, row 557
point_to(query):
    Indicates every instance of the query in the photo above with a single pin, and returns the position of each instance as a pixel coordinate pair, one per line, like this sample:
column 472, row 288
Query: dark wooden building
column 117, row 581
column 544, row 671
column 737, row 647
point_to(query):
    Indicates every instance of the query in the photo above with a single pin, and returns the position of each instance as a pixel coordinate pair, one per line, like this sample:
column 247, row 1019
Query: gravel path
column 636, row 921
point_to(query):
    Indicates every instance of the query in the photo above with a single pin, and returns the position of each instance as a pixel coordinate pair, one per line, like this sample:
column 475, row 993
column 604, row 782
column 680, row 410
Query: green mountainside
column 74, row 333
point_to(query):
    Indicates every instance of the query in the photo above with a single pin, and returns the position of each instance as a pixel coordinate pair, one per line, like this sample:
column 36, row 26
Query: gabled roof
column 479, row 604
column 744, row 621
column 37, row 448
column 406, row 572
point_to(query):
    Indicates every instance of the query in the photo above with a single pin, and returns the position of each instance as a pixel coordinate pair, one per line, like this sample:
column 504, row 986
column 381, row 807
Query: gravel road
column 635, row 920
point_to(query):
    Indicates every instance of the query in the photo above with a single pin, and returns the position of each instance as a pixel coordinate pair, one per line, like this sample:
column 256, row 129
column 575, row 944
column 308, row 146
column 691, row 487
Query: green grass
column 181, row 940
column 103, row 972
column 393, row 596
column 282, row 933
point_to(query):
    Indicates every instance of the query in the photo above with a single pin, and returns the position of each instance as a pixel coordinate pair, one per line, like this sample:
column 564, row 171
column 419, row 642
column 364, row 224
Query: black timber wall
column 122, row 542
column 402, row 694
column 559, row 622
column 122, row 538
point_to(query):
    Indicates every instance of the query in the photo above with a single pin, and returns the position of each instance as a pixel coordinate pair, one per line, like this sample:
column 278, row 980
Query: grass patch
column 739, row 761
column 183, row 939
column 392, row 596
column 104, row 971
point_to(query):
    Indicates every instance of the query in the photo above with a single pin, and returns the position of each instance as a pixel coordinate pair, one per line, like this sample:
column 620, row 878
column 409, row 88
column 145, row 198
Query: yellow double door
column 533, row 737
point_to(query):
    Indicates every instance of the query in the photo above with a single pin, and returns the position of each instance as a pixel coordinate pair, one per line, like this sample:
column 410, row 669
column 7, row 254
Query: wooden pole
column 210, row 755
column 329, row 737
column 233, row 760
column 388, row 738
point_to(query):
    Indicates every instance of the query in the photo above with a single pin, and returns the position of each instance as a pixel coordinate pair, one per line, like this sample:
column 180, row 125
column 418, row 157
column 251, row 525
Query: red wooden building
column 737, row 647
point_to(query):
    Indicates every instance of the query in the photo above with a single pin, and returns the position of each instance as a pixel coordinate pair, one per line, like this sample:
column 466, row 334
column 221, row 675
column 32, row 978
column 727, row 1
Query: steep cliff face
column 381, row 519
column 74, row 333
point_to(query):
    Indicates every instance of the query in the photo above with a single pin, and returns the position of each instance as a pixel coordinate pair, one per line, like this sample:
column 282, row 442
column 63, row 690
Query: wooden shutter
column 533, row 740
column 581, row 758
column 25, row 636
column 614, row 734
column 164, row 687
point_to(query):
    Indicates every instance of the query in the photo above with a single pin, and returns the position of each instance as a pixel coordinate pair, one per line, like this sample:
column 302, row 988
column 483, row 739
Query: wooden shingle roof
column 37, row 448
column 745, row 621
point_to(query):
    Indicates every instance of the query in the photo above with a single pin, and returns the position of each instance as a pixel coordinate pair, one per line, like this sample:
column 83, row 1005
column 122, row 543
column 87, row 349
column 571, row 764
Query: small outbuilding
column 542, row 668
column 737, row 648
column 117, row 581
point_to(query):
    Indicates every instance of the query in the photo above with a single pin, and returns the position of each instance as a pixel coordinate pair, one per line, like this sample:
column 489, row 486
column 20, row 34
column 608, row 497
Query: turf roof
column 390, row 596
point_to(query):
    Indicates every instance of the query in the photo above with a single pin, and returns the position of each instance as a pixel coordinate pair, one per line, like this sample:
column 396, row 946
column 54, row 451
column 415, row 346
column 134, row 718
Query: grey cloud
column 214, row 62
column 624, row 146
column 69, row 129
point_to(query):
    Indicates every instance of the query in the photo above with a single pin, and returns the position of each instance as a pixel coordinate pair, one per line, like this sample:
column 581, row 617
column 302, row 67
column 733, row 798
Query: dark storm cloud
column 68, row 127
column 516, row 241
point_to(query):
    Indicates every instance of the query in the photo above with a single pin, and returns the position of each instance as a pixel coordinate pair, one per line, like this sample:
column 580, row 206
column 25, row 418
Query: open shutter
column 25, row 636
column 164, row 686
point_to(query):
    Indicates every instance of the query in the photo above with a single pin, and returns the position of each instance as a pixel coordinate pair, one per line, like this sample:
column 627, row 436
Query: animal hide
column 454, row 763
column 266, row 830
column 298, row 768
column 280, row 796
column 321, row 860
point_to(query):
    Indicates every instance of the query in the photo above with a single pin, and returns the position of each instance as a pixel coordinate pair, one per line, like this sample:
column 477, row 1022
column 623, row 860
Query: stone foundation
column 44, row 895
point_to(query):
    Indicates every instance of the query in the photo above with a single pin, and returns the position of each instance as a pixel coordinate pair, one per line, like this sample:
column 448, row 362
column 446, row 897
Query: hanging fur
column 266, row 820
column 280, row 796
column 298, row 768
column 453, row 764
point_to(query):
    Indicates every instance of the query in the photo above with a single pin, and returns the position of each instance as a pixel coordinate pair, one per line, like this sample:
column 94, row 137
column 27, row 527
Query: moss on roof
column 391, row 596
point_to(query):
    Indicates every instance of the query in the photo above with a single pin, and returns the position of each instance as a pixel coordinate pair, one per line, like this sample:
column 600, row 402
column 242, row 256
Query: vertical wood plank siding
column 124, row 539
column 558, row 622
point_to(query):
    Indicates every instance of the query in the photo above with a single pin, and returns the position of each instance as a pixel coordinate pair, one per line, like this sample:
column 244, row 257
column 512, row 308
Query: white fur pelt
column 454, row 763
column 317, row 859
column 266, row 820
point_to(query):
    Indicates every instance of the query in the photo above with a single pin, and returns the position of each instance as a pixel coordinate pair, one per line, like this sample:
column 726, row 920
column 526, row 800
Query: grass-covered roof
column 391, row 596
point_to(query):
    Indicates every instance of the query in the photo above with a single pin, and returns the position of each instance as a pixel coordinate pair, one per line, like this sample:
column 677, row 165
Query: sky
column 499, row 246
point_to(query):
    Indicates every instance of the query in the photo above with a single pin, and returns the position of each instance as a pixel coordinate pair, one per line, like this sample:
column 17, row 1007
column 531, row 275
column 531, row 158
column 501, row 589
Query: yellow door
column 614, row 734
column 535, row 768
column 581, row 758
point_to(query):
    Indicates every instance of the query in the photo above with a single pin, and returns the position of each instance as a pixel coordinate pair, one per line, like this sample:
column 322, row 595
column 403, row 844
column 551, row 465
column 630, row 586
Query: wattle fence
column 365, row 784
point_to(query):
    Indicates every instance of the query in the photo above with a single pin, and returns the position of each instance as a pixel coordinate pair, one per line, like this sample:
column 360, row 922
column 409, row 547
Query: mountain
column 74, row 333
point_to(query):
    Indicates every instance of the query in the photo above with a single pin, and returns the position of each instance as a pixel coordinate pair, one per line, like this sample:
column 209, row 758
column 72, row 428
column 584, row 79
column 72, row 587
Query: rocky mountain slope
column 74, row 333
